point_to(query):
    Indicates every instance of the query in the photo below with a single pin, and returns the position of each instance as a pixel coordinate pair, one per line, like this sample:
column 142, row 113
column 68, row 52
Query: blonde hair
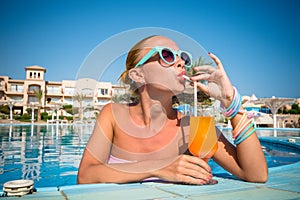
column 131, row 61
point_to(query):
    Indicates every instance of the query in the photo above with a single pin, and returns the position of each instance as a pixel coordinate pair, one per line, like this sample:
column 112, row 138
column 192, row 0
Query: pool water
column 50, row 154
column 278, row 151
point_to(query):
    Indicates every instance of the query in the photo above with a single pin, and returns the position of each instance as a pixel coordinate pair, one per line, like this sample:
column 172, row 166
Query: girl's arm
column 246, row 160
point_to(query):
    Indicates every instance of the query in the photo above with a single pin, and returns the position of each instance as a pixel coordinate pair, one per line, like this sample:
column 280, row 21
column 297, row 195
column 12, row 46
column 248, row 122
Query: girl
column 147, row 138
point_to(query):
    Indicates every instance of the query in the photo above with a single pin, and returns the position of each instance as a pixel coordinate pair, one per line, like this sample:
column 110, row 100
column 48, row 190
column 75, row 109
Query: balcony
column 53, row 93
column 10, row 91
column 33, row 88
column 30, row 92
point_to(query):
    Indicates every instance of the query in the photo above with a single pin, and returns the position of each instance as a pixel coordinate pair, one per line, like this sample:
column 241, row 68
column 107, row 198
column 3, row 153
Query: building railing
column 15, row 90
column 30, row 92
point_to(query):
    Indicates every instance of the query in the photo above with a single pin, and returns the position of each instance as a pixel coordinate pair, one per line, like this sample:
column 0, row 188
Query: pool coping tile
column 114, row 191
column 254, row 193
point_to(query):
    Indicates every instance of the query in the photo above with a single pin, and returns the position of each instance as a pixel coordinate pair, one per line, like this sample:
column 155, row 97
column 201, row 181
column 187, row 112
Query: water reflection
column 268, row 132
column 10, row 131
column 43, row 153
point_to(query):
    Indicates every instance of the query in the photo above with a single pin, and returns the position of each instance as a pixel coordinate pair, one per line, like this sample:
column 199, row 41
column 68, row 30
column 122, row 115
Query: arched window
column 33, row 88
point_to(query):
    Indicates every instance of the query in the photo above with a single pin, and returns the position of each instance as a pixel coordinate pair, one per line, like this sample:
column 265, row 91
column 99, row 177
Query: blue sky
column 257, row 41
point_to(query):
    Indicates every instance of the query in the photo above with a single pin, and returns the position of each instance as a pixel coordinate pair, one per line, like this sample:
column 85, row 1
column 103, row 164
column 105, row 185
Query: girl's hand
column 219, row 85
column 186, row 169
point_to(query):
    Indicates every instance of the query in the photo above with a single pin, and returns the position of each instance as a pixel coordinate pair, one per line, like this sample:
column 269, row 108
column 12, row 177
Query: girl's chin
column 179, row 90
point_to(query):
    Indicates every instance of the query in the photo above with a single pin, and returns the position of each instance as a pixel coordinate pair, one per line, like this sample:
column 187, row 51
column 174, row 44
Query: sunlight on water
column 49, row 155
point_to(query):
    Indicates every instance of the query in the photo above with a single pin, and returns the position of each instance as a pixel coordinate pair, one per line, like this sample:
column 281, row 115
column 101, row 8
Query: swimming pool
column 50, row 154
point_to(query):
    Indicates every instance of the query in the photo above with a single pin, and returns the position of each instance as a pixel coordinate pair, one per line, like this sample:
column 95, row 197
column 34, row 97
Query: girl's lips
column 181, row 74
column 186, row 77
column 183, row 77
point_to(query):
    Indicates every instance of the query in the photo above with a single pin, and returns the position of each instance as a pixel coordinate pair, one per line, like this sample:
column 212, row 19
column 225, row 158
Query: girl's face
column 159, row 74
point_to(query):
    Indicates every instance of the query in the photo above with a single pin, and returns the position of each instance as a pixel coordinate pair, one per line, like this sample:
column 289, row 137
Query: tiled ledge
column 283, row 184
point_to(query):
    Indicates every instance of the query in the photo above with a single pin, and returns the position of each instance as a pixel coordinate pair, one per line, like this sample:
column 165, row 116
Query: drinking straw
column 195, row 98
column 195, row 94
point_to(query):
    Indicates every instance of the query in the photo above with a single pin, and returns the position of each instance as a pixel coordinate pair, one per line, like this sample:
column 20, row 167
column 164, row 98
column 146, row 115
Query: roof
column 36, row 67
column 265, row 119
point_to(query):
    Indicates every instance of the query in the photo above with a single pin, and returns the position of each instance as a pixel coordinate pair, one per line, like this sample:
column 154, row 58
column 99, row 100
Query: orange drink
column 203, row 137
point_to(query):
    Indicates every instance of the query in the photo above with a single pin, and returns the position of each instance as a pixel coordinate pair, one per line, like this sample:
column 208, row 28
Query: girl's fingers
column 197, row 161
column 200, row 77
column 202, row 87
column 197, row 175
column 204, row 69
column 195, row 170
column 217, row 61
column 191, row 180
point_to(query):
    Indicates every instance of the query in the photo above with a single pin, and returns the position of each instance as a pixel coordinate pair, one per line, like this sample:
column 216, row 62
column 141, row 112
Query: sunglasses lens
column 167, row 55
column 187, row 60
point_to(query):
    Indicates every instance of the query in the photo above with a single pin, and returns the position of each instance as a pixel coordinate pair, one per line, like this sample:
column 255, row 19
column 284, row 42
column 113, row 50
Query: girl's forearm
column 250, row 156
column 121, row 172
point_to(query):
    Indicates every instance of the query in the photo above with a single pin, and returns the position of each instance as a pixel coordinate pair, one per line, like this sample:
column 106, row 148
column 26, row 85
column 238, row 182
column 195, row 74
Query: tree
column 4, row 109
column 69, row 109
column 79, row 98
column 39, row 95
column 197, row 62
column 295, row 109
column 116, row 98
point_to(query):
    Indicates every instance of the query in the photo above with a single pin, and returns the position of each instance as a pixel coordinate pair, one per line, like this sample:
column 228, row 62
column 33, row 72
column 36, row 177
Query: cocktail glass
column 203, row 141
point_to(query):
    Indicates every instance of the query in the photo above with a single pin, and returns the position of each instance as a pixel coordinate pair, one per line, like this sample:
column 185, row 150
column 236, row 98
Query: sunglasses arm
column 146, row 57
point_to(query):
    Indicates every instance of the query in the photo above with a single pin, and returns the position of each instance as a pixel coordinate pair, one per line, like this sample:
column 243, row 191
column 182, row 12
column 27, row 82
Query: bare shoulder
column 105, row 115
column 113, row 106
column 110, row 111
column 109, row 108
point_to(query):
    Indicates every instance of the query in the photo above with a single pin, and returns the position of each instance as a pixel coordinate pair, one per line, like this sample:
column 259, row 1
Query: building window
column 87, row 91
column 39, row 75
column 119, row 91
column 103, row 101
column 32, row 99
column 68, row 101
column 33, row 88
column 16, row 88
column 87, row 102
column 30, row 75
column 16, row 98
column 56, row 100
column 103, row 91
column 69, row 90
column 53, row 89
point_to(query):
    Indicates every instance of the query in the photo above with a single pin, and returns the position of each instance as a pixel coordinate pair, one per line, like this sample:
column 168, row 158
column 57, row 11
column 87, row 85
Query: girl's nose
column 179, row 63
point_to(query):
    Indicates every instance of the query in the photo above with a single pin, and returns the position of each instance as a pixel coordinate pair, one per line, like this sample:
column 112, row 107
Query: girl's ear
column 136, row 75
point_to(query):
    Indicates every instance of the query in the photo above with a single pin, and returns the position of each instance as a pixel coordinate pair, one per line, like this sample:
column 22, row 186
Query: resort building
column 87, row 97
column 36, row 91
